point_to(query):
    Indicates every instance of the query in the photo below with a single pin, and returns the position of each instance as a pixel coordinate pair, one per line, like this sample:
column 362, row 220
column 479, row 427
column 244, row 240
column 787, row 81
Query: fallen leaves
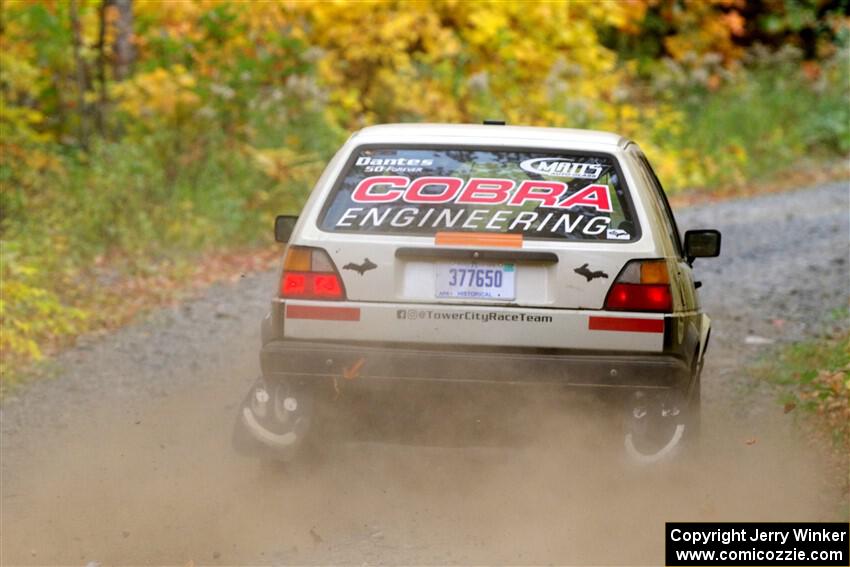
column 109, row 298
column 816, row 377
column 830, row 395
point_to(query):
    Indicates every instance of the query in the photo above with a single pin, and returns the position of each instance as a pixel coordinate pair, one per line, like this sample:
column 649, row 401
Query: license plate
column 476, row 281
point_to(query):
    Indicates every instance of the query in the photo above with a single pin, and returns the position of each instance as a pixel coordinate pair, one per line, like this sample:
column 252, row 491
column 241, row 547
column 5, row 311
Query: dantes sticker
column 392, row 165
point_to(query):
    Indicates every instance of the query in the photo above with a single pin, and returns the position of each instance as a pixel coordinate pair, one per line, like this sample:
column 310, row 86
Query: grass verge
column 813, row 378
column 806, row 172
column 126, row 297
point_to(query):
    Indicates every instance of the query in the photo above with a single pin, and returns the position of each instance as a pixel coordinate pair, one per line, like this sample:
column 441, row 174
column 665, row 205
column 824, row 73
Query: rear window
column 539, row 194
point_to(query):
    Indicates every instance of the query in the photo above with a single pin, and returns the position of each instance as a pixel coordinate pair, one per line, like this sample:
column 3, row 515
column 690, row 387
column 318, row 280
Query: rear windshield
column 539, row 194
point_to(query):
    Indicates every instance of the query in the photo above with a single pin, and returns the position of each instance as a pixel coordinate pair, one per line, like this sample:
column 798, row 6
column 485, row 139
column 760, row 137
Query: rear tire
column 655, row 427
column 274, row 420
column 662, row 427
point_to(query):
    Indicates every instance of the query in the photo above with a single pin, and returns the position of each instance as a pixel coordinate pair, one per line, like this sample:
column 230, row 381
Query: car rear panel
column 393, row 292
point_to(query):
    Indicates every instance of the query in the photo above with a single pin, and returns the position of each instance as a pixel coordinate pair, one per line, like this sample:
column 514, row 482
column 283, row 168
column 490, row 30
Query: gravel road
column 124, row 455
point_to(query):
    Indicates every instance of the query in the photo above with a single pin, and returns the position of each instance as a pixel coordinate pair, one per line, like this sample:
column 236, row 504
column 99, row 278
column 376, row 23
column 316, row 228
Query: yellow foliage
column 30, row 316
column 164, row 94
column 284, row 164
column 463, row 61
column 702, row 29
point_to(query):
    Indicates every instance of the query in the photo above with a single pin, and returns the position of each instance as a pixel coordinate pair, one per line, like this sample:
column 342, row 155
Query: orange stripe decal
column 497, row 240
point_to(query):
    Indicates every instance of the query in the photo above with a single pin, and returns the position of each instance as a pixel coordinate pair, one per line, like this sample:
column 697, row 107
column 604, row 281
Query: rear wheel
column 661, row 425
column 655, row 427
column 274, row 420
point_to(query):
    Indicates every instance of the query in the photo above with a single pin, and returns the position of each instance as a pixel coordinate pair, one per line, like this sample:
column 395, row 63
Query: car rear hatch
column 460, row 245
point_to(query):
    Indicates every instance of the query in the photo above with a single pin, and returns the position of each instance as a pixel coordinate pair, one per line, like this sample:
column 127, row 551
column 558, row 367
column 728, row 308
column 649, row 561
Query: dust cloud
column 452, row 474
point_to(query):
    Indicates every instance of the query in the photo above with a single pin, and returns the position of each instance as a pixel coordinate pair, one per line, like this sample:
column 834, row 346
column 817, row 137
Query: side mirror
column 283, row 227
column 702, row 244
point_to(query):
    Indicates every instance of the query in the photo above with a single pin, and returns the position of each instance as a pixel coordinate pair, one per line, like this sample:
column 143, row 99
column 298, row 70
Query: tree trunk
column 80, row 67
column 101, row 69
column 125, row 53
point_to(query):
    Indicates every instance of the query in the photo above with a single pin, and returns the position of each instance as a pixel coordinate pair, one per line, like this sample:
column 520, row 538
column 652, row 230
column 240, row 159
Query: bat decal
column 362, row 268
column 583, row 271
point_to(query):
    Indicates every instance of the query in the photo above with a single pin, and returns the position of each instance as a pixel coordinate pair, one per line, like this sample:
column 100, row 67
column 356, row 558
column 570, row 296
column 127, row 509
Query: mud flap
column 273, row 420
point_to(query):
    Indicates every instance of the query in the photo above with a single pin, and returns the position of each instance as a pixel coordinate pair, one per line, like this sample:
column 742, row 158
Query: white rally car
column 434, row 252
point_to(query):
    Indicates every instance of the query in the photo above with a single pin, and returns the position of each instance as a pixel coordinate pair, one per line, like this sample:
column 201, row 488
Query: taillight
column 643, row 285
column 309, row 273
column 637, row 297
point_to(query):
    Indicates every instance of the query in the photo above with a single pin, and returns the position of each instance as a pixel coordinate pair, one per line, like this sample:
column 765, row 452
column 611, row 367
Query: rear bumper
column 371, row 362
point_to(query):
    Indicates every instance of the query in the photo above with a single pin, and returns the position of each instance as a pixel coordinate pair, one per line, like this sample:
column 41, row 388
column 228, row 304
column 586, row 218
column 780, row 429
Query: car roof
column 414, row 132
